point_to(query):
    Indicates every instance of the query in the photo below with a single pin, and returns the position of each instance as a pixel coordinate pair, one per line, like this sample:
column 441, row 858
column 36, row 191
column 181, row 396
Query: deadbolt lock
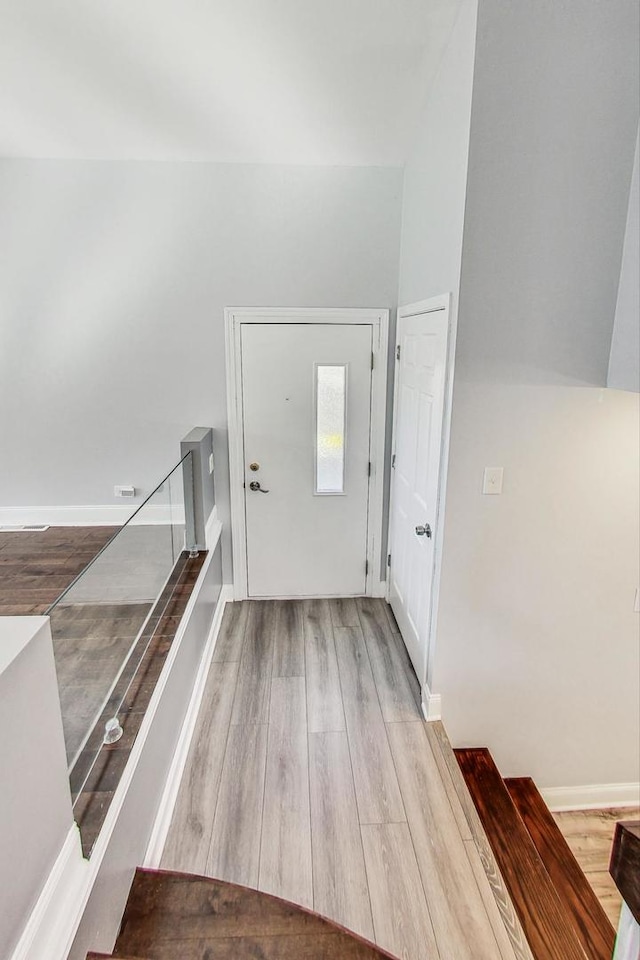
column 254, row 466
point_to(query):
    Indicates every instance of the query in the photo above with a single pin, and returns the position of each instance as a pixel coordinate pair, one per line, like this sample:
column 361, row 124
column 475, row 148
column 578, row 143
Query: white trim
column 432, row 305
column 379, row 320
column 212, row 530
column 379, row 589
column 96, row 515
column 162, row 822
column 593, row 796
column 627, row 945
column 46, row 932
column 431, row 704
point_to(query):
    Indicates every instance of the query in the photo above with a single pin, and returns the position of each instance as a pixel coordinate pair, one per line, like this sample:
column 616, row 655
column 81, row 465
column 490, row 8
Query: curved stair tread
column 170, row 915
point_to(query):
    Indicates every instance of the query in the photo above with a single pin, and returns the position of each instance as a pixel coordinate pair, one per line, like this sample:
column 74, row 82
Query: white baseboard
column 162, row 822
column 46, row 933
column 379, row 589
column 591, row 796
column 431, row 704
column 93, row 515
column 98, row 515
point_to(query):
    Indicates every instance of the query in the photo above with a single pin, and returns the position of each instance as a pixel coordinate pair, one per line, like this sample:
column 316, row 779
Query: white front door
column 306, row 409
column 421, row 366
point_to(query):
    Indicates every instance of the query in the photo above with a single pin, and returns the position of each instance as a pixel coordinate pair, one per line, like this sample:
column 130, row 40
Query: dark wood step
column 544, row 919
column 171, row 915
column 625, row 864
column 588, row 918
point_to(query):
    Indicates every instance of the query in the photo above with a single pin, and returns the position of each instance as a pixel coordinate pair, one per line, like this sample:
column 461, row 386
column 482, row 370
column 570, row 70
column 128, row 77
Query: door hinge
column 398, row 352
column 369, row 469
column 388, row 559
column 373, row 360
column 393, row 462
column 366, row 566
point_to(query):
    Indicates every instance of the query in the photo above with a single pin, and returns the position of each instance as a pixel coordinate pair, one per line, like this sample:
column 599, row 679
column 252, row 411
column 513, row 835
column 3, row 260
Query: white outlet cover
column 492, row 480
column 124, row 491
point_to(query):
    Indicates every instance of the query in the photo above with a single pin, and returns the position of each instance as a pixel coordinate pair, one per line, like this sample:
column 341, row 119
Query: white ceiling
column 265, row 81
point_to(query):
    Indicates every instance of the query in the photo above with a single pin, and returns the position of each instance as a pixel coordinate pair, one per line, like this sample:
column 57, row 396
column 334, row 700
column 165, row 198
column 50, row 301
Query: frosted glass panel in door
column 331, row 390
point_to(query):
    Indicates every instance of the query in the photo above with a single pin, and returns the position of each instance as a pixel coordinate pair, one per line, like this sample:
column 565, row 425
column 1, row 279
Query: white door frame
column 379, row 320
column 430, row 700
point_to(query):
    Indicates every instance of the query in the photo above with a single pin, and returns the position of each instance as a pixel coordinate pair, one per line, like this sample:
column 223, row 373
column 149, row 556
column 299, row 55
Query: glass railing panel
column 102, row 623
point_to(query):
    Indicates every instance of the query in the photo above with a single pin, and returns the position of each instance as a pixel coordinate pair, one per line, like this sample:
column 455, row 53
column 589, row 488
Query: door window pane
column 331, row 389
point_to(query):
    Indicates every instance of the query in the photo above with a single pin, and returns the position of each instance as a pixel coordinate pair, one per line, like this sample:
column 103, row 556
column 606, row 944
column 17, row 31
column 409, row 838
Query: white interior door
column 421, row 367
column 306, row 409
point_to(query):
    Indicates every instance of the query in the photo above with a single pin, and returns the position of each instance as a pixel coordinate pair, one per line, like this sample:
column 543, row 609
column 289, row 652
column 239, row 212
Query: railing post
column 190, row 539
column 198, row 485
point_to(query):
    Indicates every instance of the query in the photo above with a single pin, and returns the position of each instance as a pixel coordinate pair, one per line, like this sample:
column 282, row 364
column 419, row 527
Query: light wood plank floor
column 589, row 833
column 313, row 776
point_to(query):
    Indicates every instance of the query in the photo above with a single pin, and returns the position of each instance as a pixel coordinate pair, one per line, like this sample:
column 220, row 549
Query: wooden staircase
column 177, row 916
column 559, row 912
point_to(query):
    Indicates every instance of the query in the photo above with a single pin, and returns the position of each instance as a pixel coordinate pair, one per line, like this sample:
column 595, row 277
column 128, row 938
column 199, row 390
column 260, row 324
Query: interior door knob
column 255, row 486
column 423, row 531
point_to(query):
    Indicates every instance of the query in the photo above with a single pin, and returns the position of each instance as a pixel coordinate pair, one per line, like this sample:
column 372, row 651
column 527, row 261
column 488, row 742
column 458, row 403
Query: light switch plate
column 210, row 463
column 492, row 480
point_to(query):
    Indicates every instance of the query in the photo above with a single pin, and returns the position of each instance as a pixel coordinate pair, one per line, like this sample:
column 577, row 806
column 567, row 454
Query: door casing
column 438, row 303
column 235, row 317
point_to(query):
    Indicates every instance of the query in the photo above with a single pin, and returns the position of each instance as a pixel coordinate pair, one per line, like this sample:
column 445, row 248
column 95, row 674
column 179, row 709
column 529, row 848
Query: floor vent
column 23, row 528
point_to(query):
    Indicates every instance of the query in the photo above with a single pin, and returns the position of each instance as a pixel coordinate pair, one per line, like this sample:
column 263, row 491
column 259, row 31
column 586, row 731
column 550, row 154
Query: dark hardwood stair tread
column 172, row 915
column 625, row 864
column 544, row 919
column 588, row 918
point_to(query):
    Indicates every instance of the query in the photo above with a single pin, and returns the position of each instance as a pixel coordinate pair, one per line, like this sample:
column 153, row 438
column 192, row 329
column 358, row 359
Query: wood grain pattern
column 543, row 917
column 285, row 852
column 397, row 696
column 400, row 912
column 324, row 695
column 460, row 921
column 189, row 837
column 339, row 875
column 344, row 612
column 232, row 632
column 253, row 690
column 172, row 915
column 234, row 850
column 377, row 790
column 349, row 774
column 463, row 805
column 586, row 916
column 590, row 834
column 37, row 567
column 288, row 647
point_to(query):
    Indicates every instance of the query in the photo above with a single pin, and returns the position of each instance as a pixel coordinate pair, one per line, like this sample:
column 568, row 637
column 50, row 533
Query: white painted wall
column 35, row 803
column 537, row 650
column 624, row 362
column 115, row 280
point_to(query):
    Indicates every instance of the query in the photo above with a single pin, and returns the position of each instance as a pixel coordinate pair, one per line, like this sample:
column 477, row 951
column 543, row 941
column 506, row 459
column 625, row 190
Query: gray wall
column 115, row 276
column 624, row 362
column 537, row 647
column 435, row 176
